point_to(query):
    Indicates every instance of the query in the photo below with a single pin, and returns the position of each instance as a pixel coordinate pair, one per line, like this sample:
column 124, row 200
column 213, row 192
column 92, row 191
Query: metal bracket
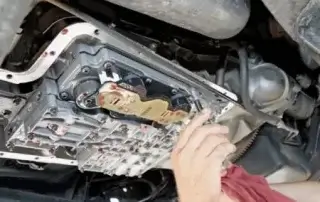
column 36, row 158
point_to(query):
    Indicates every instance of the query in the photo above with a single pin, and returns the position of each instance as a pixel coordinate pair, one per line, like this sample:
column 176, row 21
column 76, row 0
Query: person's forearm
column 300, row 191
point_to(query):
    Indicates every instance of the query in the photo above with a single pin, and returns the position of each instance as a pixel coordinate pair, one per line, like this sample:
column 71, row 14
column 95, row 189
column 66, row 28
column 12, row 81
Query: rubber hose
column 220, row 76
column 244, row 90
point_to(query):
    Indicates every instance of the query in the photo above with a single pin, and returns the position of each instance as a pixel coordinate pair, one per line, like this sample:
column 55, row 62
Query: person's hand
column 198, row 158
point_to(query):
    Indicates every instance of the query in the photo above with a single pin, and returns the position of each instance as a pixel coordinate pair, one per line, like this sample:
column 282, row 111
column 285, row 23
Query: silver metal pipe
column 219, row 19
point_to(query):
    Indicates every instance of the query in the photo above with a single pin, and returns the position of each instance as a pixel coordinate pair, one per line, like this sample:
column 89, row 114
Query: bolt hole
column 36, row 158
column 7, row 112
column 9, row 76
column 64, row 95
column 1, row 154
column 52, row 53
column 64, row 31
column 86, row 70
column 96, row 32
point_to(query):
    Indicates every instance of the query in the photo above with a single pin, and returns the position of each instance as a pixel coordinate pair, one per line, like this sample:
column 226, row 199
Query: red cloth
column 238, row 184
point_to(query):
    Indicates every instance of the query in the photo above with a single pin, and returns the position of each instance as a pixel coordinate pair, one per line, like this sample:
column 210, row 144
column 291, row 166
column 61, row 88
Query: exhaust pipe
column 218, row 19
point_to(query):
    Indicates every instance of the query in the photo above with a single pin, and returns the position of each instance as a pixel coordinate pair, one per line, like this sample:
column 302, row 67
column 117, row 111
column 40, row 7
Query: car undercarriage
column 94, row 93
